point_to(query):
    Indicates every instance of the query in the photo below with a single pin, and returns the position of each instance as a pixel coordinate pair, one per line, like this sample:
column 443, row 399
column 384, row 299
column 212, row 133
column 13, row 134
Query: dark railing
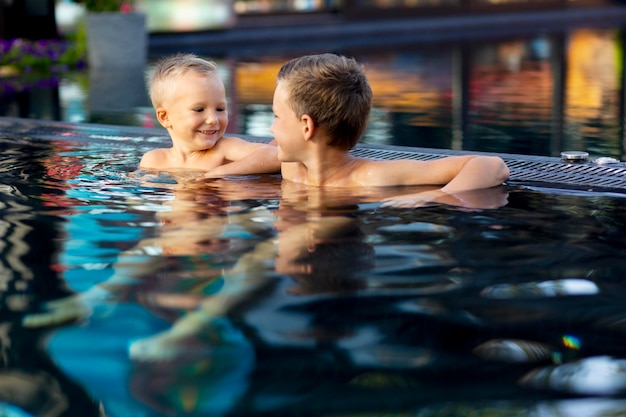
column 351, row 10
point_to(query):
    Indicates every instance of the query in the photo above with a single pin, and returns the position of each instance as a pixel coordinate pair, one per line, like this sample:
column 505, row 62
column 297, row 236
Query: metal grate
column 578, row 175
column 525, row 169
column 546, row 171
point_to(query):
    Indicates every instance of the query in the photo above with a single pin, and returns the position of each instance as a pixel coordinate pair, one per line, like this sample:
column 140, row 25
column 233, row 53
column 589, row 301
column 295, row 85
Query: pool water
column 129, row 293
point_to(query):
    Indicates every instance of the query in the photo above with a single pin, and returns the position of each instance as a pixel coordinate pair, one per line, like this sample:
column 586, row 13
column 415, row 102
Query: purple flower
column 44, row 55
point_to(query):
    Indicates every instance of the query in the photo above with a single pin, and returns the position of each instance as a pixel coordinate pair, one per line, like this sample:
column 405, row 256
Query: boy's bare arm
column 456, row 173
column 484, row 198
column 474, row 183
column 247, row 158
column 477, row 173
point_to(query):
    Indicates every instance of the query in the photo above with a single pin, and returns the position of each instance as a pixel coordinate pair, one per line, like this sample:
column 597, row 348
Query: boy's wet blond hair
column 161, row 80
column 334, row 91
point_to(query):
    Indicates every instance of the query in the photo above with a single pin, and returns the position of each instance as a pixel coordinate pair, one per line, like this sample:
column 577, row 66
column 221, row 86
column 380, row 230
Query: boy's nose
column 211, row 117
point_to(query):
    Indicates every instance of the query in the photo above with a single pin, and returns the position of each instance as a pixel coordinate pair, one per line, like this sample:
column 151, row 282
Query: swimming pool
column 335, row 304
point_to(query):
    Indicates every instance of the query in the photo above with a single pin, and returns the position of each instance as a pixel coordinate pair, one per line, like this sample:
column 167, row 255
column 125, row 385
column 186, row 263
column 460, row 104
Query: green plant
column 26, row 64
column 25, row 56
column 123, row 6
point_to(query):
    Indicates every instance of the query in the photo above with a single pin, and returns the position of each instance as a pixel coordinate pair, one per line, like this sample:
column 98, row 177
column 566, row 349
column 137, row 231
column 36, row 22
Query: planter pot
column 116, row 40
column 117, row 90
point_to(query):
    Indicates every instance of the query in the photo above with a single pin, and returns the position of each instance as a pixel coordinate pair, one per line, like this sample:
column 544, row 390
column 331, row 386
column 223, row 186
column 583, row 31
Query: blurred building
column 35, row 19
column 198, row 15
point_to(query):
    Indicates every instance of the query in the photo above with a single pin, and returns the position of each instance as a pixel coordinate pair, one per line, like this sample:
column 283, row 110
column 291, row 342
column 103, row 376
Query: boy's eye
column 198, row 110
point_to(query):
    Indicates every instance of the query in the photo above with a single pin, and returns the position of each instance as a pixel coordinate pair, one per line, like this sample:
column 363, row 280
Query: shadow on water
column 535, row 95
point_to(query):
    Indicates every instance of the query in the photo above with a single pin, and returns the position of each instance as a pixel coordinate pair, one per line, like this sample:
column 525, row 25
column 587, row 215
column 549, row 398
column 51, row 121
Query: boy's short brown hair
column 334, row 91
column 161, row 79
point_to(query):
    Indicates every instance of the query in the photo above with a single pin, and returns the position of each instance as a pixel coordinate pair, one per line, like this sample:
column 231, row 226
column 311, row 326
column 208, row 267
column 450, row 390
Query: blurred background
column 530, row 77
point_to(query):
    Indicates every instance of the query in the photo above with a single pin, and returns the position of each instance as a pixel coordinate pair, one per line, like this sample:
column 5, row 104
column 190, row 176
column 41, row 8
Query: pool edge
column 543, row 171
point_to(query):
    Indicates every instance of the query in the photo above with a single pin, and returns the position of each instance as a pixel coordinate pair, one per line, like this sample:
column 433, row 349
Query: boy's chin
column 281, row 156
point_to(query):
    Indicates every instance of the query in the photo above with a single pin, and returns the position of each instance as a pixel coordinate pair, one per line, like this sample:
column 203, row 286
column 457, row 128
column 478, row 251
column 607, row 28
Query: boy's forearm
column 484, row 198
column 479, row 172
column 262, row 161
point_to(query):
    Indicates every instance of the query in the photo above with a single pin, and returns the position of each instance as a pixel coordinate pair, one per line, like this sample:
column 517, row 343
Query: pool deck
column 526, row 170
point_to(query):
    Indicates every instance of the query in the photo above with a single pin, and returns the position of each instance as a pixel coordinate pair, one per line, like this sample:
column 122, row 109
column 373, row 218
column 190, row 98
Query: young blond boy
column 189, row 99
column 321, row 107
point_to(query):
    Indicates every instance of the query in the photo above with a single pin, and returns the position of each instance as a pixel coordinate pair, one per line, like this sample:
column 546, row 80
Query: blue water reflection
column 253, row 297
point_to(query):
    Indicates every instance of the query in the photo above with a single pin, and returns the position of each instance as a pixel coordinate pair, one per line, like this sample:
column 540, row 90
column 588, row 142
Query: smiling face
column 196, row 114
column 287, row 128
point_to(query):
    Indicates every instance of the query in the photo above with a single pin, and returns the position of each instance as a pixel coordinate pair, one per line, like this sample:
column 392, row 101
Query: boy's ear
column 308, row 126
column 163, row 118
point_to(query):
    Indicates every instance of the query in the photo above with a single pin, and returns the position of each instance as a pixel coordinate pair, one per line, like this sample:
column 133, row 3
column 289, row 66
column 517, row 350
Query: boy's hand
column 486, row 198
column 217, row 172
column 423, row 199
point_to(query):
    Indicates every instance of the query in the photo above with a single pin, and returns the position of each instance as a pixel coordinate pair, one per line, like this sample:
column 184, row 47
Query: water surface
column 140, row 294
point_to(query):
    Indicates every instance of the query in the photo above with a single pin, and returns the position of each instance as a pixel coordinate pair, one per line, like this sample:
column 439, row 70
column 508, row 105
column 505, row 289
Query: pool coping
column 526, row 170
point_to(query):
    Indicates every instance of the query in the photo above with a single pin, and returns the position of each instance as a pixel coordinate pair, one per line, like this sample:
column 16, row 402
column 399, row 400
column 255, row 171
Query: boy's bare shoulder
column 235, row 140
column 154, row 158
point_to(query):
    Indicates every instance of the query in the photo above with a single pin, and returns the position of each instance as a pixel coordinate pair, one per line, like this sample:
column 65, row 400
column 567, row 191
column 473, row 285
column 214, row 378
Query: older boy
column 190, row 102
column 321, row 107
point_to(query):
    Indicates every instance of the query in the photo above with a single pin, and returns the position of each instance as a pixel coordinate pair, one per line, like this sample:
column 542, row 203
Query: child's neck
column 329, row 168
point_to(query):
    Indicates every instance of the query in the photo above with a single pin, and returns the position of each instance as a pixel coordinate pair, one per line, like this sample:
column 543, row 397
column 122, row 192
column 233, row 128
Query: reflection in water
column 595, row 407
column 515, row 351
column 30, row 382
column 128, row 294
column 599, row 375
column 556, row 288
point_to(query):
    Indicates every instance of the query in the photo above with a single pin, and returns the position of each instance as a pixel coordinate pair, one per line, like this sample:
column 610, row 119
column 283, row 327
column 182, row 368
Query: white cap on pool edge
column 605, row 160
column 574, row 156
